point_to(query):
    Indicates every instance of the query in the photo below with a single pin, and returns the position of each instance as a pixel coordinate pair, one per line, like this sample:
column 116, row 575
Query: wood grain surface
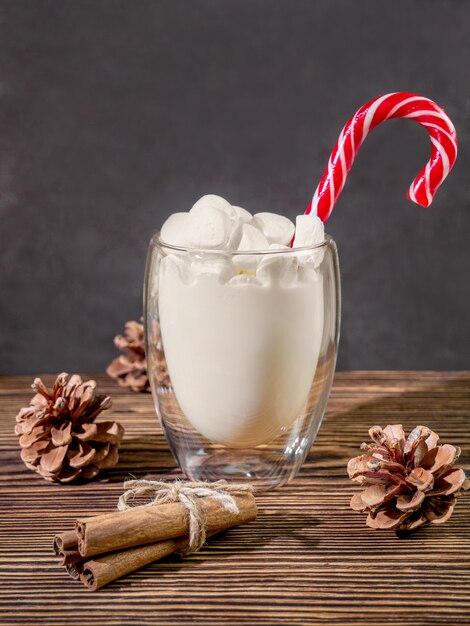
column 308, row 559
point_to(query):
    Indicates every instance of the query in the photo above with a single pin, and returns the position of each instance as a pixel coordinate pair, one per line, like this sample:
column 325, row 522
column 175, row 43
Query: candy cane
column 422, row 110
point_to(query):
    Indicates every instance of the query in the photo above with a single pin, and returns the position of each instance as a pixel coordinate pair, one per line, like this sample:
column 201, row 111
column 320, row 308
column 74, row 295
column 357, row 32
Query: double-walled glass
column 241, row 352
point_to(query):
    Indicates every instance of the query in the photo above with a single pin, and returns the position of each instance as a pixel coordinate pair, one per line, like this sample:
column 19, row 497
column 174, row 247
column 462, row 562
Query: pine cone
column 58, row 434
column 411, row 482
column 159, row 368
column 130, row 369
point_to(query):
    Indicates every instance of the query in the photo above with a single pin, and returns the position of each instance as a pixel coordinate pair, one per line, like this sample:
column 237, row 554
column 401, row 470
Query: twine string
column 189, row 493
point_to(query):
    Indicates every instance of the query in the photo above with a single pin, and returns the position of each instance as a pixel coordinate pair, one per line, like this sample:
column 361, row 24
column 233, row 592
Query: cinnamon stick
column 66, row 546
column 64, row 541
column 152, row 524
column 104, row 569
column 100, row 571
column 74, row 570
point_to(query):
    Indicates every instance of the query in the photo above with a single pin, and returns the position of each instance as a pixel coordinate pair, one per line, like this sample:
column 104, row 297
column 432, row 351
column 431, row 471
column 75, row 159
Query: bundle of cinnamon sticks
column 104, row 548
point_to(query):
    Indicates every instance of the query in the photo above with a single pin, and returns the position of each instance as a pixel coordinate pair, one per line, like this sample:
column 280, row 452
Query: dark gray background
column 115, row 114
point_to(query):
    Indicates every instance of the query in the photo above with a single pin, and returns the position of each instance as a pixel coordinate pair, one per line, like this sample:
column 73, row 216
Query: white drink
column 242, row 336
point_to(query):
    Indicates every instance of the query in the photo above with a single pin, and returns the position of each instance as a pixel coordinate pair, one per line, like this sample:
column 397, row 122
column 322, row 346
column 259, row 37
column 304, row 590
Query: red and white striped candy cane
column 401, row 104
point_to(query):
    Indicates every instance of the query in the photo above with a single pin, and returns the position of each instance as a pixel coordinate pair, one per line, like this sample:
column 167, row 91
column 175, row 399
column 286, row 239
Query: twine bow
column 189, row 494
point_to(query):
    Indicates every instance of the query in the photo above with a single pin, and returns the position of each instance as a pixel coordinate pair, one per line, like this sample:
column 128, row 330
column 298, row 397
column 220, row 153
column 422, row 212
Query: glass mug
column 241, row 352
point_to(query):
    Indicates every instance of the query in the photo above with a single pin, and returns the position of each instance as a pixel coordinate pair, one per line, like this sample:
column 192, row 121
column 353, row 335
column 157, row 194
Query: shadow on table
column 145, row 457
column 282, row 533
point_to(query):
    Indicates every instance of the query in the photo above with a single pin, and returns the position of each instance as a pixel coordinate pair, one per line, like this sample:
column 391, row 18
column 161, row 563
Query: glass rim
column 157, row 241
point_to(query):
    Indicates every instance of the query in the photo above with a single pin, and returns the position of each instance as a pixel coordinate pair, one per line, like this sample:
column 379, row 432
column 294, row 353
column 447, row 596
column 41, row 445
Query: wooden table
column 308, row 559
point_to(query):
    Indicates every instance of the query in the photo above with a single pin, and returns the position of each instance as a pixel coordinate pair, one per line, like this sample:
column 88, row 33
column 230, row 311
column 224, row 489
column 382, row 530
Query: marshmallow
column 244, row 279
column 236, row 236
column 239, row 217
column 276, row 228
column 208, row 228
column 177, row 268
column 278, row 246
column 309, row 231
column 252, row 239
column 215, row 265
column 277, row 269
column 232, row 212
column 246, row 262
column 216, row 202
column 172, row 231
column 243, row 215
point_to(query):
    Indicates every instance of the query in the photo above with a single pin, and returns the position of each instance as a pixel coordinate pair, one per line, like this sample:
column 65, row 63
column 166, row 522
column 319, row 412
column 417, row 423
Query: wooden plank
column 308, row 559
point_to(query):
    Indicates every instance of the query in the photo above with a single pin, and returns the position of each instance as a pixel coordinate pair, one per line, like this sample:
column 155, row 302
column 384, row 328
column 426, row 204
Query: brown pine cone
column 159, row 370
column 130, row 369
column 58, row 435
column 411, row 482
